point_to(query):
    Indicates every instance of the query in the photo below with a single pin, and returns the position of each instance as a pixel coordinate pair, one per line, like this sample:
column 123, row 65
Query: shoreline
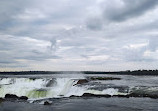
column 128, row 72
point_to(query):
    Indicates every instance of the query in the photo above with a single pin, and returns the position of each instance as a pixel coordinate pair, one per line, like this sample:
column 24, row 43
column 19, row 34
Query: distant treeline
column 128, row 72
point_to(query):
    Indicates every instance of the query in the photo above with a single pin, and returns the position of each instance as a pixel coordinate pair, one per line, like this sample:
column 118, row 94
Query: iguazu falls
column 78, row 55
column 51, row 89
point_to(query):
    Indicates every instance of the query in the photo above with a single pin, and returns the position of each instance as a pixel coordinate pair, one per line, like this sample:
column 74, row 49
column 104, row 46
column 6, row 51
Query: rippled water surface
column 91, row 104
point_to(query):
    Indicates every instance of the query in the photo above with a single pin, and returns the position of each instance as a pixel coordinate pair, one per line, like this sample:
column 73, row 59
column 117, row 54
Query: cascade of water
column 48, row 88
column 37, row 88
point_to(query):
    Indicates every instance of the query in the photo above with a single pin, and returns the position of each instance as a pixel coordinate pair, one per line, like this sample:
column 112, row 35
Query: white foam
column 36, row 89
column 109, row 91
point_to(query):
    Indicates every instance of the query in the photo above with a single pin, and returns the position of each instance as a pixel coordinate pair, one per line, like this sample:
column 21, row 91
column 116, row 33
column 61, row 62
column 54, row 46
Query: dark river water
column 86, row 104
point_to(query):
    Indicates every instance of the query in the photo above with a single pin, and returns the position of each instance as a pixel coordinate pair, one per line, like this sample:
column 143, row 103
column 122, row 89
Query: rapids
column 36, row 88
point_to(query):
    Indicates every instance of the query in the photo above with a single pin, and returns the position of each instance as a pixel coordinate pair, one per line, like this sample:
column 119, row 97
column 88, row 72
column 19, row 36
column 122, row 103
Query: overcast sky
column 105, row 35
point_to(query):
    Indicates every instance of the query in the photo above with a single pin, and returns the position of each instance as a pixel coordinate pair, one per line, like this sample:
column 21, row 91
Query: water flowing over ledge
column 76, row 86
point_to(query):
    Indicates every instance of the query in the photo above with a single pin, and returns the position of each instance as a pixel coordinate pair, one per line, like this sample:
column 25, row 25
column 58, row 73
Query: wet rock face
column 47, row 103
column 81, row 81
column 15, row 97
column 94, row 95
column 32, row 78
column 124, row 96
column 88, row 95
column 51, row 83
column 143, row 95
column 1, row 100
column 105, row 78
column 11, row 96
column 23, row 98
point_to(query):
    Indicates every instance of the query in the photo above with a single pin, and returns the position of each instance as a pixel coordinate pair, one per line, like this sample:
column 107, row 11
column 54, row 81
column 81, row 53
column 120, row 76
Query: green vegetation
column 128, row 72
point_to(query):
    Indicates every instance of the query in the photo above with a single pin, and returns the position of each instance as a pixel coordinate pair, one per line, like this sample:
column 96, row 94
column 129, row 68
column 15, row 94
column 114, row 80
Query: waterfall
column 41, row 88
column 37, row 88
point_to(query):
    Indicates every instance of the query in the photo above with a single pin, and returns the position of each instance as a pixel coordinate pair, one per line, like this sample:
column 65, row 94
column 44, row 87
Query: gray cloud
column 127, row 9
column 66, row 34
column 15, row 49
column 94, row 24
column 9, row 9
column 153, row 46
